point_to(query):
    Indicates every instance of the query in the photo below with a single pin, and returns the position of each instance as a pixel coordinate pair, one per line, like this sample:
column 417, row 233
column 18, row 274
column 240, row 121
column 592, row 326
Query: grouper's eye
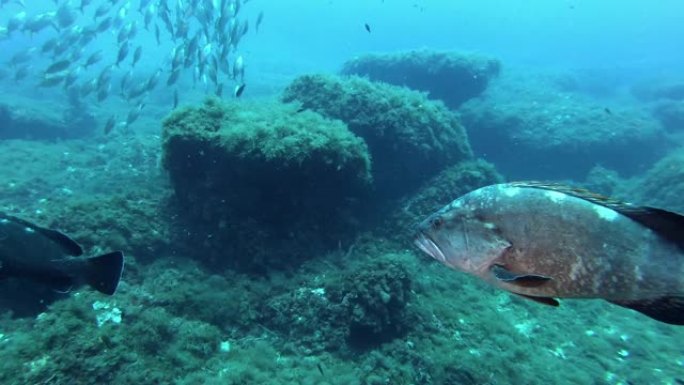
column 436, row 222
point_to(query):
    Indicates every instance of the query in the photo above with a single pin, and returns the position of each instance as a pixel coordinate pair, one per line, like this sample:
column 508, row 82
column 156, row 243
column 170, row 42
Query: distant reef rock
column 659, row 89
column 410, row 138
column 529, row 129
column 352, row 311
column 434, row 194
column 671, row 114
column 451, row 77
column 261, row 185
column 20, row 122
column 662, row 185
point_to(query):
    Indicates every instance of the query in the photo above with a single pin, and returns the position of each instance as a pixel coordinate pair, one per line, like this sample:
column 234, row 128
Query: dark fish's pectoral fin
column 669, row 310
column 527, row 280
column 544, row 300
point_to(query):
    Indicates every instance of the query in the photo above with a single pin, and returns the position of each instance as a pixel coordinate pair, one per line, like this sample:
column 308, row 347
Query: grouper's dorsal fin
column 68, row 245
column 665, row 223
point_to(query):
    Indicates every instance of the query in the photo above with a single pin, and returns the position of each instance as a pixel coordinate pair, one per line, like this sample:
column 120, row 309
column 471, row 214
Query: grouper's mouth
column 429, row 247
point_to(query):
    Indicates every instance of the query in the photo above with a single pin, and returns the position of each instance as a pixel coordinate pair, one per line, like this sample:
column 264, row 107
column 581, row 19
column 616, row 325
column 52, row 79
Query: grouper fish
column 49, row 257
column 546, row 241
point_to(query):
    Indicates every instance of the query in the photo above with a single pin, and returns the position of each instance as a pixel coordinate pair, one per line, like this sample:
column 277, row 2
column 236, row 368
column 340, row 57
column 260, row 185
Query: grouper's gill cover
column 546, row 241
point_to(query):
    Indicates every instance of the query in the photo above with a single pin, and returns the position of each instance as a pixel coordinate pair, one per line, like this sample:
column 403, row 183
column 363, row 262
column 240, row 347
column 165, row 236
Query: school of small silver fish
column 205, row 36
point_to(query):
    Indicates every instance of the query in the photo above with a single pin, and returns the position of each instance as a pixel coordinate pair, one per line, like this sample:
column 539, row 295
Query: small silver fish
column 239, row 89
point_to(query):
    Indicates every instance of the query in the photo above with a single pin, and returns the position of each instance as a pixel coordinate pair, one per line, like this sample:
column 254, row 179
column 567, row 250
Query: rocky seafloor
column 239, row 273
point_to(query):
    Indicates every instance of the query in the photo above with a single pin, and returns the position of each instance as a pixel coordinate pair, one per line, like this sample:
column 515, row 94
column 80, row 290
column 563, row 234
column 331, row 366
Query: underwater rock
column 28, row 123
column 661, row 186
column 670, row 114
column 603, row 181
column 410, row 138
column 659, row 89
column 262, row 185
column 537, row 132
column 138, row 224
column 433, row 194
column 448, row 76
column 358, row 310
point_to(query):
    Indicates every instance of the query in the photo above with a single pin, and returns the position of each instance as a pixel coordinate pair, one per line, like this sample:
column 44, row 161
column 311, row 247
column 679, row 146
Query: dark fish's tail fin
column 104, row 272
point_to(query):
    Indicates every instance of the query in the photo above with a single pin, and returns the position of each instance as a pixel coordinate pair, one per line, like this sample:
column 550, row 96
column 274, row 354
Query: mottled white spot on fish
column 29, row 230
column 605, row 213
column 555, row 196
column 576, row 268
column 638, row 274
column 510, row 191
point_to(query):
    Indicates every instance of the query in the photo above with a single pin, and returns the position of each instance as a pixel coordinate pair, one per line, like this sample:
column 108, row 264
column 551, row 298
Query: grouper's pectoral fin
column 665, row 309
column 543, row 300
column 527, row 280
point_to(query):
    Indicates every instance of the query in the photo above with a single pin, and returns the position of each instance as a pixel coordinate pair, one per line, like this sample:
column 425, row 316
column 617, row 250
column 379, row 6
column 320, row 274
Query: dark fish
column 136, row 56
column 545, row 241
column 239, row 89
column 93, row 58
column 239, row 68
column 175, row 99
column 49, row 45
column 58, row 66
column 51, row 80
column 125, row 80
column 21, row 73
column 104, row 24
column 173, row 77
column 608, row 111
column 102, row 10
column 47, row 256
column 134, row 114
column 66, row 15
column 368, row 29
column 123, row 53
column 84, row 4
column 109, row 126
column 260, row 18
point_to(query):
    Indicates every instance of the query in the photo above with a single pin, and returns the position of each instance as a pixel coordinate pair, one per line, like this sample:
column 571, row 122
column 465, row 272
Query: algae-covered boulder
column 18, row 121
column 434, row 194
column 410, row 137
column 359, row 309
column 659, row 89
column 671, row 115
column 258, row 182
column 663, row 185
column 449, row 76
column 530, row 130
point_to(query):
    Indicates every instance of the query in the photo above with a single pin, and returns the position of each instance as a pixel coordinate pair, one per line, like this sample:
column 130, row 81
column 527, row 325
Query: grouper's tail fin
column 104, row 272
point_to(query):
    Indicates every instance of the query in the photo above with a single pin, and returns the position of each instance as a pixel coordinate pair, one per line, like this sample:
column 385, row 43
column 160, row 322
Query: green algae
column 410, row 138
column 273, row 134
column 242, row 173
column 452, row 77
column 531, row 130
column 662, row 185
column 178, row 317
